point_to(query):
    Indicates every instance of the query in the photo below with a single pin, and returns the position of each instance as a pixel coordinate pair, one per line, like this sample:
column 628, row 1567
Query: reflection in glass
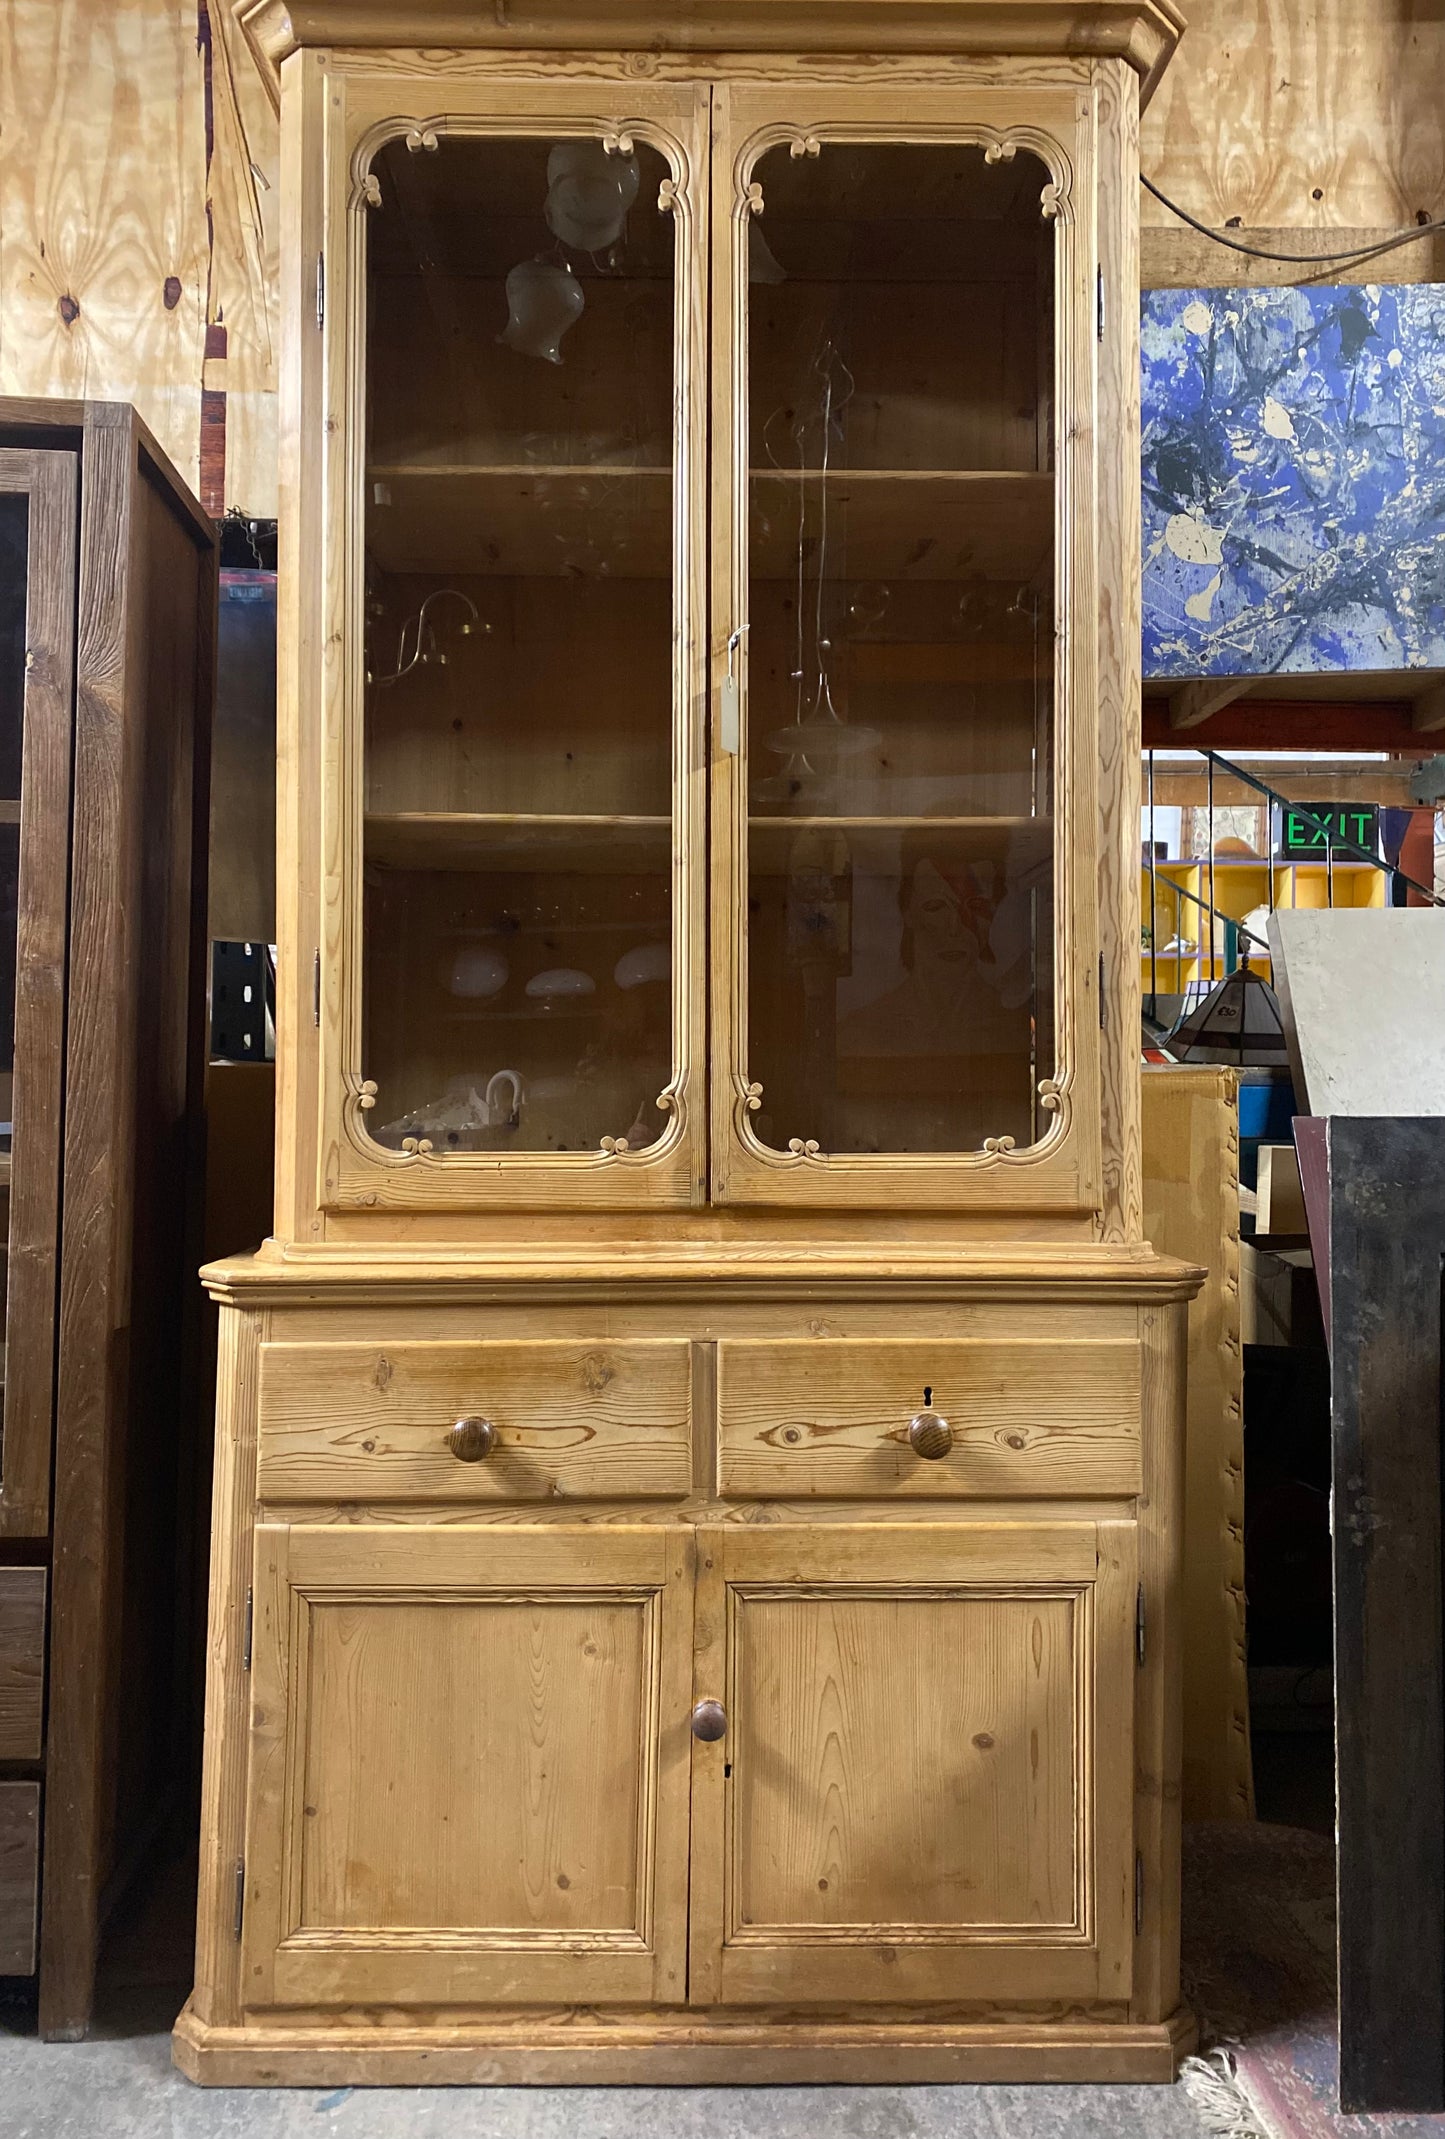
column 901, row 650
column 519, row 623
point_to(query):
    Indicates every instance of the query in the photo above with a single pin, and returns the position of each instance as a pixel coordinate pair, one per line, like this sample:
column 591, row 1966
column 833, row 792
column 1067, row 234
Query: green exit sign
column 1340, row 827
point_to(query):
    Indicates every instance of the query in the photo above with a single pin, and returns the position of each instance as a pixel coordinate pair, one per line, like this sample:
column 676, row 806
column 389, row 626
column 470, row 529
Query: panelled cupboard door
column 510, row 989
column 925, row 1786
column 37, row 674
column 469, row 1766
column 904, row 642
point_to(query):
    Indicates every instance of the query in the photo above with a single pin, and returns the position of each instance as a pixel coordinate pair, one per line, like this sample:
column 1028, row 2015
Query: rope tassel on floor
column 1212, row 2085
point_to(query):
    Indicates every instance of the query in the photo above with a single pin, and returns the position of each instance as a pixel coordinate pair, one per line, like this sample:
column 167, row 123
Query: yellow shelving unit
column 1183, row 953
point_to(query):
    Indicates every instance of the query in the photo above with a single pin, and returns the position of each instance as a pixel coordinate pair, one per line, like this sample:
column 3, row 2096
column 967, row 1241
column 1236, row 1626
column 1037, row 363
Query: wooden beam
column 1194, row 703
column 1295, row 724
column 1428, row 711
column 1174, row 257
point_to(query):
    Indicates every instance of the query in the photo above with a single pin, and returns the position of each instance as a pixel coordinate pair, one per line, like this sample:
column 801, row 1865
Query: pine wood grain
column 217, row 1993
column 805, row 1417
column 824, row 1868
column 469, row 1766
column 105, row 211
column 1191, row 1207
column 1321, row 115
column 1118, row 617
column 1158, row 1743
column 1145, row 30
column 589, row 2048
column 243, row 195
column 121, row 240
column 591, row 1421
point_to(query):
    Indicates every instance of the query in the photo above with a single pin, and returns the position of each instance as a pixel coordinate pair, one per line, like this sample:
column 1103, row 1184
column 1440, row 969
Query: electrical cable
column 1258, row 252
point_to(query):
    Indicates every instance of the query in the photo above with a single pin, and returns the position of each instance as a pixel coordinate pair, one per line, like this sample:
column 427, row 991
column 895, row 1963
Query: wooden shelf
column 770, row 838
column 1010, row 476
column 909, row 524
column 521, row 522
column 549, row 471
column 892, row 823
column 519, row 844
column 562, row 520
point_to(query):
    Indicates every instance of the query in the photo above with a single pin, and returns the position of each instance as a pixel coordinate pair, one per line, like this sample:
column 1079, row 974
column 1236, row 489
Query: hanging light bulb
column 589, row 191
column 544, row 299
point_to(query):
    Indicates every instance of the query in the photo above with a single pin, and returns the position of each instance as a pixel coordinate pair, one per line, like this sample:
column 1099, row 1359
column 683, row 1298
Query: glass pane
column 519, row 627
column 901, row 649
column 14, row 562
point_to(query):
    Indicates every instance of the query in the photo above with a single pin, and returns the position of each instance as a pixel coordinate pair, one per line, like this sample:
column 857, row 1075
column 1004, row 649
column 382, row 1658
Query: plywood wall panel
column 139, row 174
column 243, row 193
column 1300, row 113
column 137, row 148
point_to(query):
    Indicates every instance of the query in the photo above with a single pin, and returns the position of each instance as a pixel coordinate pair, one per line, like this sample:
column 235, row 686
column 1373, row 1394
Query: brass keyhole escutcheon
column 929, row 1435
column 709, row 1721
column 471, row 1439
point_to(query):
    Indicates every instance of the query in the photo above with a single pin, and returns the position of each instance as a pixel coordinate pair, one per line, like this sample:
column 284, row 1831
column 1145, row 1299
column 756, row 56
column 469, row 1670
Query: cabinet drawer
column 819, row 1417
column 22, row 1661
column 19, row 1876
column 571, row 1421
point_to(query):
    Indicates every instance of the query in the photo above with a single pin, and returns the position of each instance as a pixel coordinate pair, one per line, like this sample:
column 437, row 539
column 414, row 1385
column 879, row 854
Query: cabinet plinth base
column 682, row 2051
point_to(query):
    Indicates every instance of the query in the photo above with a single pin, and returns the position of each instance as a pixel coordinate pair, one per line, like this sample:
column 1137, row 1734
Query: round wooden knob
column 929, row 1435
column 471, row 1439
column 709, row 1721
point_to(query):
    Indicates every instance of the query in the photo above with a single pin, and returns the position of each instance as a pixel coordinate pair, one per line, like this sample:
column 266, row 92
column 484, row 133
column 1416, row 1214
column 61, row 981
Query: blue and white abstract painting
column 1294, row 480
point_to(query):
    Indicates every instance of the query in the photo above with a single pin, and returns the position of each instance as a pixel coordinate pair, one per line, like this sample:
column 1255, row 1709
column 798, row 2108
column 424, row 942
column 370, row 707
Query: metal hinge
column 316, row 988
column 1103, row 1016
column 1139, row 1625
column 1138, row 1892
column 246, row 1637
column 240, row 1895
column 320, row 290
column 1099, row 289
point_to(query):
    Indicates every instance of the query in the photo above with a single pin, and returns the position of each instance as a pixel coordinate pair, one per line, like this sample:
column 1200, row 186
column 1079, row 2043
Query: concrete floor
column 121, row 2084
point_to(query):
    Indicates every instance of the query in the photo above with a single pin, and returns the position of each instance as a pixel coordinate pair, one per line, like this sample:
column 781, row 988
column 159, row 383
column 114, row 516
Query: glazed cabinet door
column 905, row 645
column 37, row 670
column 924, row 1787
column 469, row 1764
column 510, row 989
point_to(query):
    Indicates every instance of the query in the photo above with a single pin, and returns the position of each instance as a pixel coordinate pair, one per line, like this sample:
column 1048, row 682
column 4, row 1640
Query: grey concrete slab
column 1362, row 991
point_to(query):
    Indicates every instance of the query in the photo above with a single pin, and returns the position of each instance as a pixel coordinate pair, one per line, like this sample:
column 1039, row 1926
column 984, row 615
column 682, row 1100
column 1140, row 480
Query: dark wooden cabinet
column 107, row 655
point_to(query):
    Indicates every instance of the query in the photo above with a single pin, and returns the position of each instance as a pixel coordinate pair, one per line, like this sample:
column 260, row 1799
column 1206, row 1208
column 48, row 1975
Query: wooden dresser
column 699, row 1489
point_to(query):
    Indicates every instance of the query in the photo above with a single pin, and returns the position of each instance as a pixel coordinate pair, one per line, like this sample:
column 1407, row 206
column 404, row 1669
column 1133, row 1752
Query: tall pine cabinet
column 697, row 1516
